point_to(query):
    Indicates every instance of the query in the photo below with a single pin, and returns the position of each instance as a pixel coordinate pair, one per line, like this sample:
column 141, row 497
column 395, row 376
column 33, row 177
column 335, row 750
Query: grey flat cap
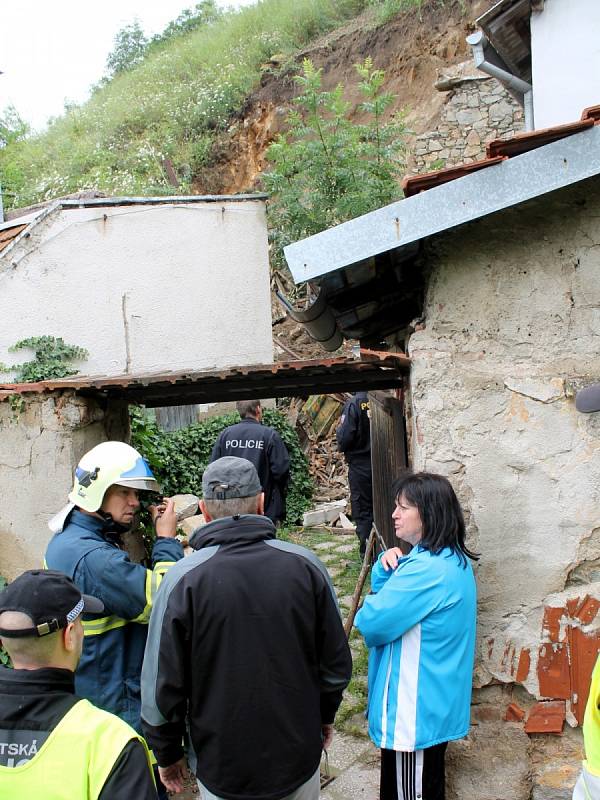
column 588, row 399
column 230, row 477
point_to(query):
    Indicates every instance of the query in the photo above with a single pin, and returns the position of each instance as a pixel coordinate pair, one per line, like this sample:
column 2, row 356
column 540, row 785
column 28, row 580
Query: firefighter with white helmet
column 86, row 546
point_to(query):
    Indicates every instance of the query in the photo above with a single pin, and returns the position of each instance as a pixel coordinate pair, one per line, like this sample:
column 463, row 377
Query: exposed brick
column 514, row 713
column 553, row 671
column 546, row 717
column 523, row 666
column 584, row 650
column 551, row 623
column 587, row 610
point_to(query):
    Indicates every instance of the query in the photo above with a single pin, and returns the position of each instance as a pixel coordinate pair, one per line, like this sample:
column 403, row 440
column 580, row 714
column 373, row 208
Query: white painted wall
column 144, row 288
column 565, row 50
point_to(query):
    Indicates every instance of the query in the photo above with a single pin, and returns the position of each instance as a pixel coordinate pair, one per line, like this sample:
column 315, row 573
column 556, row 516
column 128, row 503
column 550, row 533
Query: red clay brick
column 546, row 717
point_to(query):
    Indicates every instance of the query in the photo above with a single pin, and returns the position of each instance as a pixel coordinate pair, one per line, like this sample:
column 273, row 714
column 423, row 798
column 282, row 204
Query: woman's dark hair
column 439, row 509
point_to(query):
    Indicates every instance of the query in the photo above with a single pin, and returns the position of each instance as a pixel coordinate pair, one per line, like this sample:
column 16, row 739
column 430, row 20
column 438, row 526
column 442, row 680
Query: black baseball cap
column 230, row 477
column 49, row 597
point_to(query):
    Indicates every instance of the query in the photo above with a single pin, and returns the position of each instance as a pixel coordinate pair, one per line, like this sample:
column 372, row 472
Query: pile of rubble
column 316, row 420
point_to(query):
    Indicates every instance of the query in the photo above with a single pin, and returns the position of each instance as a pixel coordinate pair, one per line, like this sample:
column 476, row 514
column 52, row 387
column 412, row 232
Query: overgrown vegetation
column 327, row 168
column 178, row 459
column 52, row 355
column 131, row 45
column 165, row 101
column 171, row 106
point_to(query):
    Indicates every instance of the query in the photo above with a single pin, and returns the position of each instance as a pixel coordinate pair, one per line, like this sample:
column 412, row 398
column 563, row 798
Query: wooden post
column 366, row 566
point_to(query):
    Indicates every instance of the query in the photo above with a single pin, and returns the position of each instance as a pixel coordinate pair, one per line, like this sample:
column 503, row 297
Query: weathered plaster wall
column 144, row 288
column 512, row 326
column 41, row 439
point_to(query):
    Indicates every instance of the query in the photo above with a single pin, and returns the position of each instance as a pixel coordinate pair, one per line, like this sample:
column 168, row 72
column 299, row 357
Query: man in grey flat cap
column 246, row 641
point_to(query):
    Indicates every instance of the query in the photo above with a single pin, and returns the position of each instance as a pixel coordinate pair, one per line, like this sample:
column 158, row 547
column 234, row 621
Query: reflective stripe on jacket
column 74, row 761
column 109, row 671
column 419, row 626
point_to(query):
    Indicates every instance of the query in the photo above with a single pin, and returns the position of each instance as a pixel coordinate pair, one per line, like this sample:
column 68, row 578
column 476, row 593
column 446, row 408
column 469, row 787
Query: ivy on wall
column 52, row 355
column 179, row 458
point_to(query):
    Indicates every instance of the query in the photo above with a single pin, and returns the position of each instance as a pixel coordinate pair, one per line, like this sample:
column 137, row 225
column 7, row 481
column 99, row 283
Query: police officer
column 86, row 546
column 53, row 744
column 264, row 447
column 354, row 441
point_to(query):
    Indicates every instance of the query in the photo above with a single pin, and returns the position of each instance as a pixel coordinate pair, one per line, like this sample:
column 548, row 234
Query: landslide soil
column 413, row 48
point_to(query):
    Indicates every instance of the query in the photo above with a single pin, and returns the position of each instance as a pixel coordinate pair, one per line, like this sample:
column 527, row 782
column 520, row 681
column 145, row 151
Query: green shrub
column 327, row 168
column 178, row 459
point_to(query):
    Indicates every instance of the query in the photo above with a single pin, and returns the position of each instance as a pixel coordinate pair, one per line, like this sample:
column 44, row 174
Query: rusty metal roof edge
column 44, row 214
column 381, row 359
column 471, row 197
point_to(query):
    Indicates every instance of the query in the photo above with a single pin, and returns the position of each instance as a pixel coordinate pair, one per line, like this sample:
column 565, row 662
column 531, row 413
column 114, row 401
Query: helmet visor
column 143, row 484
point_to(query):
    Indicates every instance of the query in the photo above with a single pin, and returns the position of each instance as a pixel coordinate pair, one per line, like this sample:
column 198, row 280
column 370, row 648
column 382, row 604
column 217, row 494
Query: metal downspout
column 520, row 89
column 318, row 319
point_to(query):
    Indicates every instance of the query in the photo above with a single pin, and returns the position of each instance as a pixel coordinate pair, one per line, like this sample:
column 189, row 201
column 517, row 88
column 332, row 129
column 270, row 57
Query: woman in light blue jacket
column 419, row 625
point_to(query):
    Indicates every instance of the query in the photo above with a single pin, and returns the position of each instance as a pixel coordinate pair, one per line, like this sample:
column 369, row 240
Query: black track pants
column 361, row 495
column 413, row 776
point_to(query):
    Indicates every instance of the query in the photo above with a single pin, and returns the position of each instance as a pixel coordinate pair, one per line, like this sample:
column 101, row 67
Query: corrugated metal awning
column 283, row 379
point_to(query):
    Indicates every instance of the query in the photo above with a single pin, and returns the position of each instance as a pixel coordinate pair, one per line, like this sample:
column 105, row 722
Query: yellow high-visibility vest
column 591, row 724
column 74, row 761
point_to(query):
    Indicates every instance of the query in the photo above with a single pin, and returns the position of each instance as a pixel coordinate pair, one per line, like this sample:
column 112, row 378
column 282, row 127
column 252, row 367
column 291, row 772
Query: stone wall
column 42, row 437
column 512, row 328
column 477, row 109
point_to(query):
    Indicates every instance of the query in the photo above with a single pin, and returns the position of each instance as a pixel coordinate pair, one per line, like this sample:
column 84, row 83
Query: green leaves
column 51, row 357
column 178, row 459
column 328, row 168
column 172, row 98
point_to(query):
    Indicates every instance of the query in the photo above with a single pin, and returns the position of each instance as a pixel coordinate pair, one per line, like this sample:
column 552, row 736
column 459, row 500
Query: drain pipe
column 318, row 320
column 488, row 61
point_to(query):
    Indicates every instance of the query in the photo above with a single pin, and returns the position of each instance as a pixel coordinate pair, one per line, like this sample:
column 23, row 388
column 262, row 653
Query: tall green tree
column 130, row 45
column 189, row 20
column 13, row 127
column 328, row 168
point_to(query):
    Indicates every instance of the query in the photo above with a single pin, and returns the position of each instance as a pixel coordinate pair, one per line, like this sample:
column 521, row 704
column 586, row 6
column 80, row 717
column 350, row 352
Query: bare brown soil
column 413, row 49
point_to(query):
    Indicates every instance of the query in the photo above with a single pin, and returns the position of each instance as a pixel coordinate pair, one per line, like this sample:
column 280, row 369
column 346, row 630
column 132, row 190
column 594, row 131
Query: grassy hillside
column 171, row 106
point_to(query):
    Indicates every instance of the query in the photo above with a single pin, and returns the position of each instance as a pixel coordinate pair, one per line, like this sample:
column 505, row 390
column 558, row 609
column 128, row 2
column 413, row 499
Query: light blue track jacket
column 419, row 626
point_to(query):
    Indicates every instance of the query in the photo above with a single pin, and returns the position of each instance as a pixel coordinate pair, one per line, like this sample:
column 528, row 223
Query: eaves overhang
column 281, row 379
column 400, row 226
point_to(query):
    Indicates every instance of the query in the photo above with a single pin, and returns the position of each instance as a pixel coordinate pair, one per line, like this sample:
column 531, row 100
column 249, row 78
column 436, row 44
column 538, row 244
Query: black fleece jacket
column 246, row 640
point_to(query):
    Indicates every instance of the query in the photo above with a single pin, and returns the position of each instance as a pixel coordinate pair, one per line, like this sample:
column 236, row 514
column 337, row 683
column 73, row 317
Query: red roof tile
column 524, row 142
column 420, row 183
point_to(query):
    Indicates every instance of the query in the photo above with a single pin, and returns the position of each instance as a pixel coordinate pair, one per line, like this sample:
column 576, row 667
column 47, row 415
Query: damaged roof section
column 282, row 379
column 370, row 268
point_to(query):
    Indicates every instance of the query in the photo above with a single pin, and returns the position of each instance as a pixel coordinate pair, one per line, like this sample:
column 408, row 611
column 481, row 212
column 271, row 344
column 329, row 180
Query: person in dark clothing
column 264, row 447
column 54, row 744
column 246, row 641
column 86, row 547
column 354, row 441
